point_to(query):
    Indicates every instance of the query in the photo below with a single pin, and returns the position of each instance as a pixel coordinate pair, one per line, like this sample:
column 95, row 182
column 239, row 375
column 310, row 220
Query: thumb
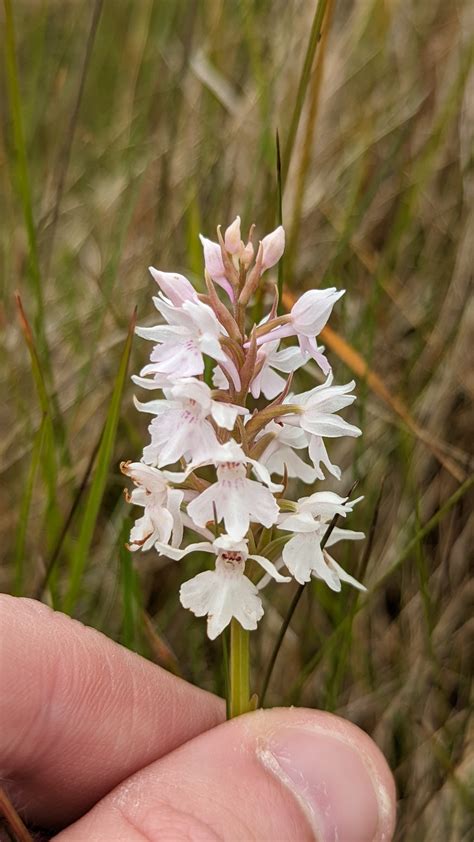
column 281, row 774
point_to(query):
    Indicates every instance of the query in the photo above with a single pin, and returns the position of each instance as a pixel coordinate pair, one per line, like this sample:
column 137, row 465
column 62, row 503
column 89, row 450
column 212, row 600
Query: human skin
column 99, row 744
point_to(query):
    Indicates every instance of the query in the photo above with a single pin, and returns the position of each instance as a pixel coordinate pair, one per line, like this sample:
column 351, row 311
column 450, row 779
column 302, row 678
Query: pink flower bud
column 246, row 255
column 213, row 259
column 232, row 239
column 215, row 265
column 176, row 287
column 273, row 247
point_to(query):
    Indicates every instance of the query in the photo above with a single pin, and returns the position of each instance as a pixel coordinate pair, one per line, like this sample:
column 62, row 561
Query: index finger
column 79, row 713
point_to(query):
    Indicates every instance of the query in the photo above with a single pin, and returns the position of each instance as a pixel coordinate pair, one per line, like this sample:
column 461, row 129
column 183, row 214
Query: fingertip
column 334, row 769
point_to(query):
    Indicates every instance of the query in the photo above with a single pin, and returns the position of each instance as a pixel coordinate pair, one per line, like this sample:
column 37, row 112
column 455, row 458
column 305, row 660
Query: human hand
column 104, row 744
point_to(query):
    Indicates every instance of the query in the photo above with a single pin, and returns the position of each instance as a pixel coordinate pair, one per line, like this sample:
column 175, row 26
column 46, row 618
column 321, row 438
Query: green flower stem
column 239, row 701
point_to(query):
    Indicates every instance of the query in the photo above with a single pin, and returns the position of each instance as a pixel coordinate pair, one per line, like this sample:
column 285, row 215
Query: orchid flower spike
column 230, row 436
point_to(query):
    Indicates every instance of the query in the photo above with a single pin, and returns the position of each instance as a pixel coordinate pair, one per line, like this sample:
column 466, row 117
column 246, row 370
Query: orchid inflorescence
column 218, row 462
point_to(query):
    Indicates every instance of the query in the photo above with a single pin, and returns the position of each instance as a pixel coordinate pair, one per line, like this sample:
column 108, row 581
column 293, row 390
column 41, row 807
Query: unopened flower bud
column 214, row 264
column 212, row 259
column 246, row 255
column 232, row 239
column 273, row 247
column 253, row 279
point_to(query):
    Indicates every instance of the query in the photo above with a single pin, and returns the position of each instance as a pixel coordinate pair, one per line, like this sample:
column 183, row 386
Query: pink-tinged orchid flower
column 182, row 426
column 307, row 318
column 236, row 499
column 266, row 381
column 282, row 435
column 192, row 330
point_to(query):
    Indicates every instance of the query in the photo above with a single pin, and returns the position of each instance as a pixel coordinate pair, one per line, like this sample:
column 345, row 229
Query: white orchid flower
column 303, row 555
column 224, row 592
column 162, row 520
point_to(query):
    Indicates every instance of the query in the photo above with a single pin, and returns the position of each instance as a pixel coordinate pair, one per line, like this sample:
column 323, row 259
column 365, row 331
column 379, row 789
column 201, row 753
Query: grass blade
column 25, row 505
column 162, row 652
column 67, row 523
column 22, row 172
column 314, row 37
column 63, row 164
column 48, row 451
column 308, row 141
column 24, row 189
column 37, row 371
column 10, row 821
column 99, row 481
column 426, row 529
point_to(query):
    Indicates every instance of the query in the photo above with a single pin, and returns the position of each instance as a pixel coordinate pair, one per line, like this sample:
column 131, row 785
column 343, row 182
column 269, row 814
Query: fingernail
column 331, row 781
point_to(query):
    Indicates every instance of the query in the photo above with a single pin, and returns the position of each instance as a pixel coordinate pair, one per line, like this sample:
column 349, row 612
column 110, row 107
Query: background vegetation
column 129, row 127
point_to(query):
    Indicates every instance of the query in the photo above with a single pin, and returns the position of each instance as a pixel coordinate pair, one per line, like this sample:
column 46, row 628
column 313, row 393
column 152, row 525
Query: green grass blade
column 36, row 369
column 25, row 505
column 307, row 141
column 193, row 228
column 99, row 481
column 48, row 452
column 63, row 532
column 63, row 163
column 22, row 179
column 314, row 37
column 21, row 170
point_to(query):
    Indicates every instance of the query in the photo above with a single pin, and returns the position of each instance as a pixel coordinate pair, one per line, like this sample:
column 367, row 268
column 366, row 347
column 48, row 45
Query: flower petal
column 225, row 414
column 341, row 573
column 176, row 554
column 298, row 557
column 175, row 286
column 270, row 568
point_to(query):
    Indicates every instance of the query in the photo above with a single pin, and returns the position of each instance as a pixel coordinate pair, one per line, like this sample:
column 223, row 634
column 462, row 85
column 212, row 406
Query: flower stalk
column 239, row 670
